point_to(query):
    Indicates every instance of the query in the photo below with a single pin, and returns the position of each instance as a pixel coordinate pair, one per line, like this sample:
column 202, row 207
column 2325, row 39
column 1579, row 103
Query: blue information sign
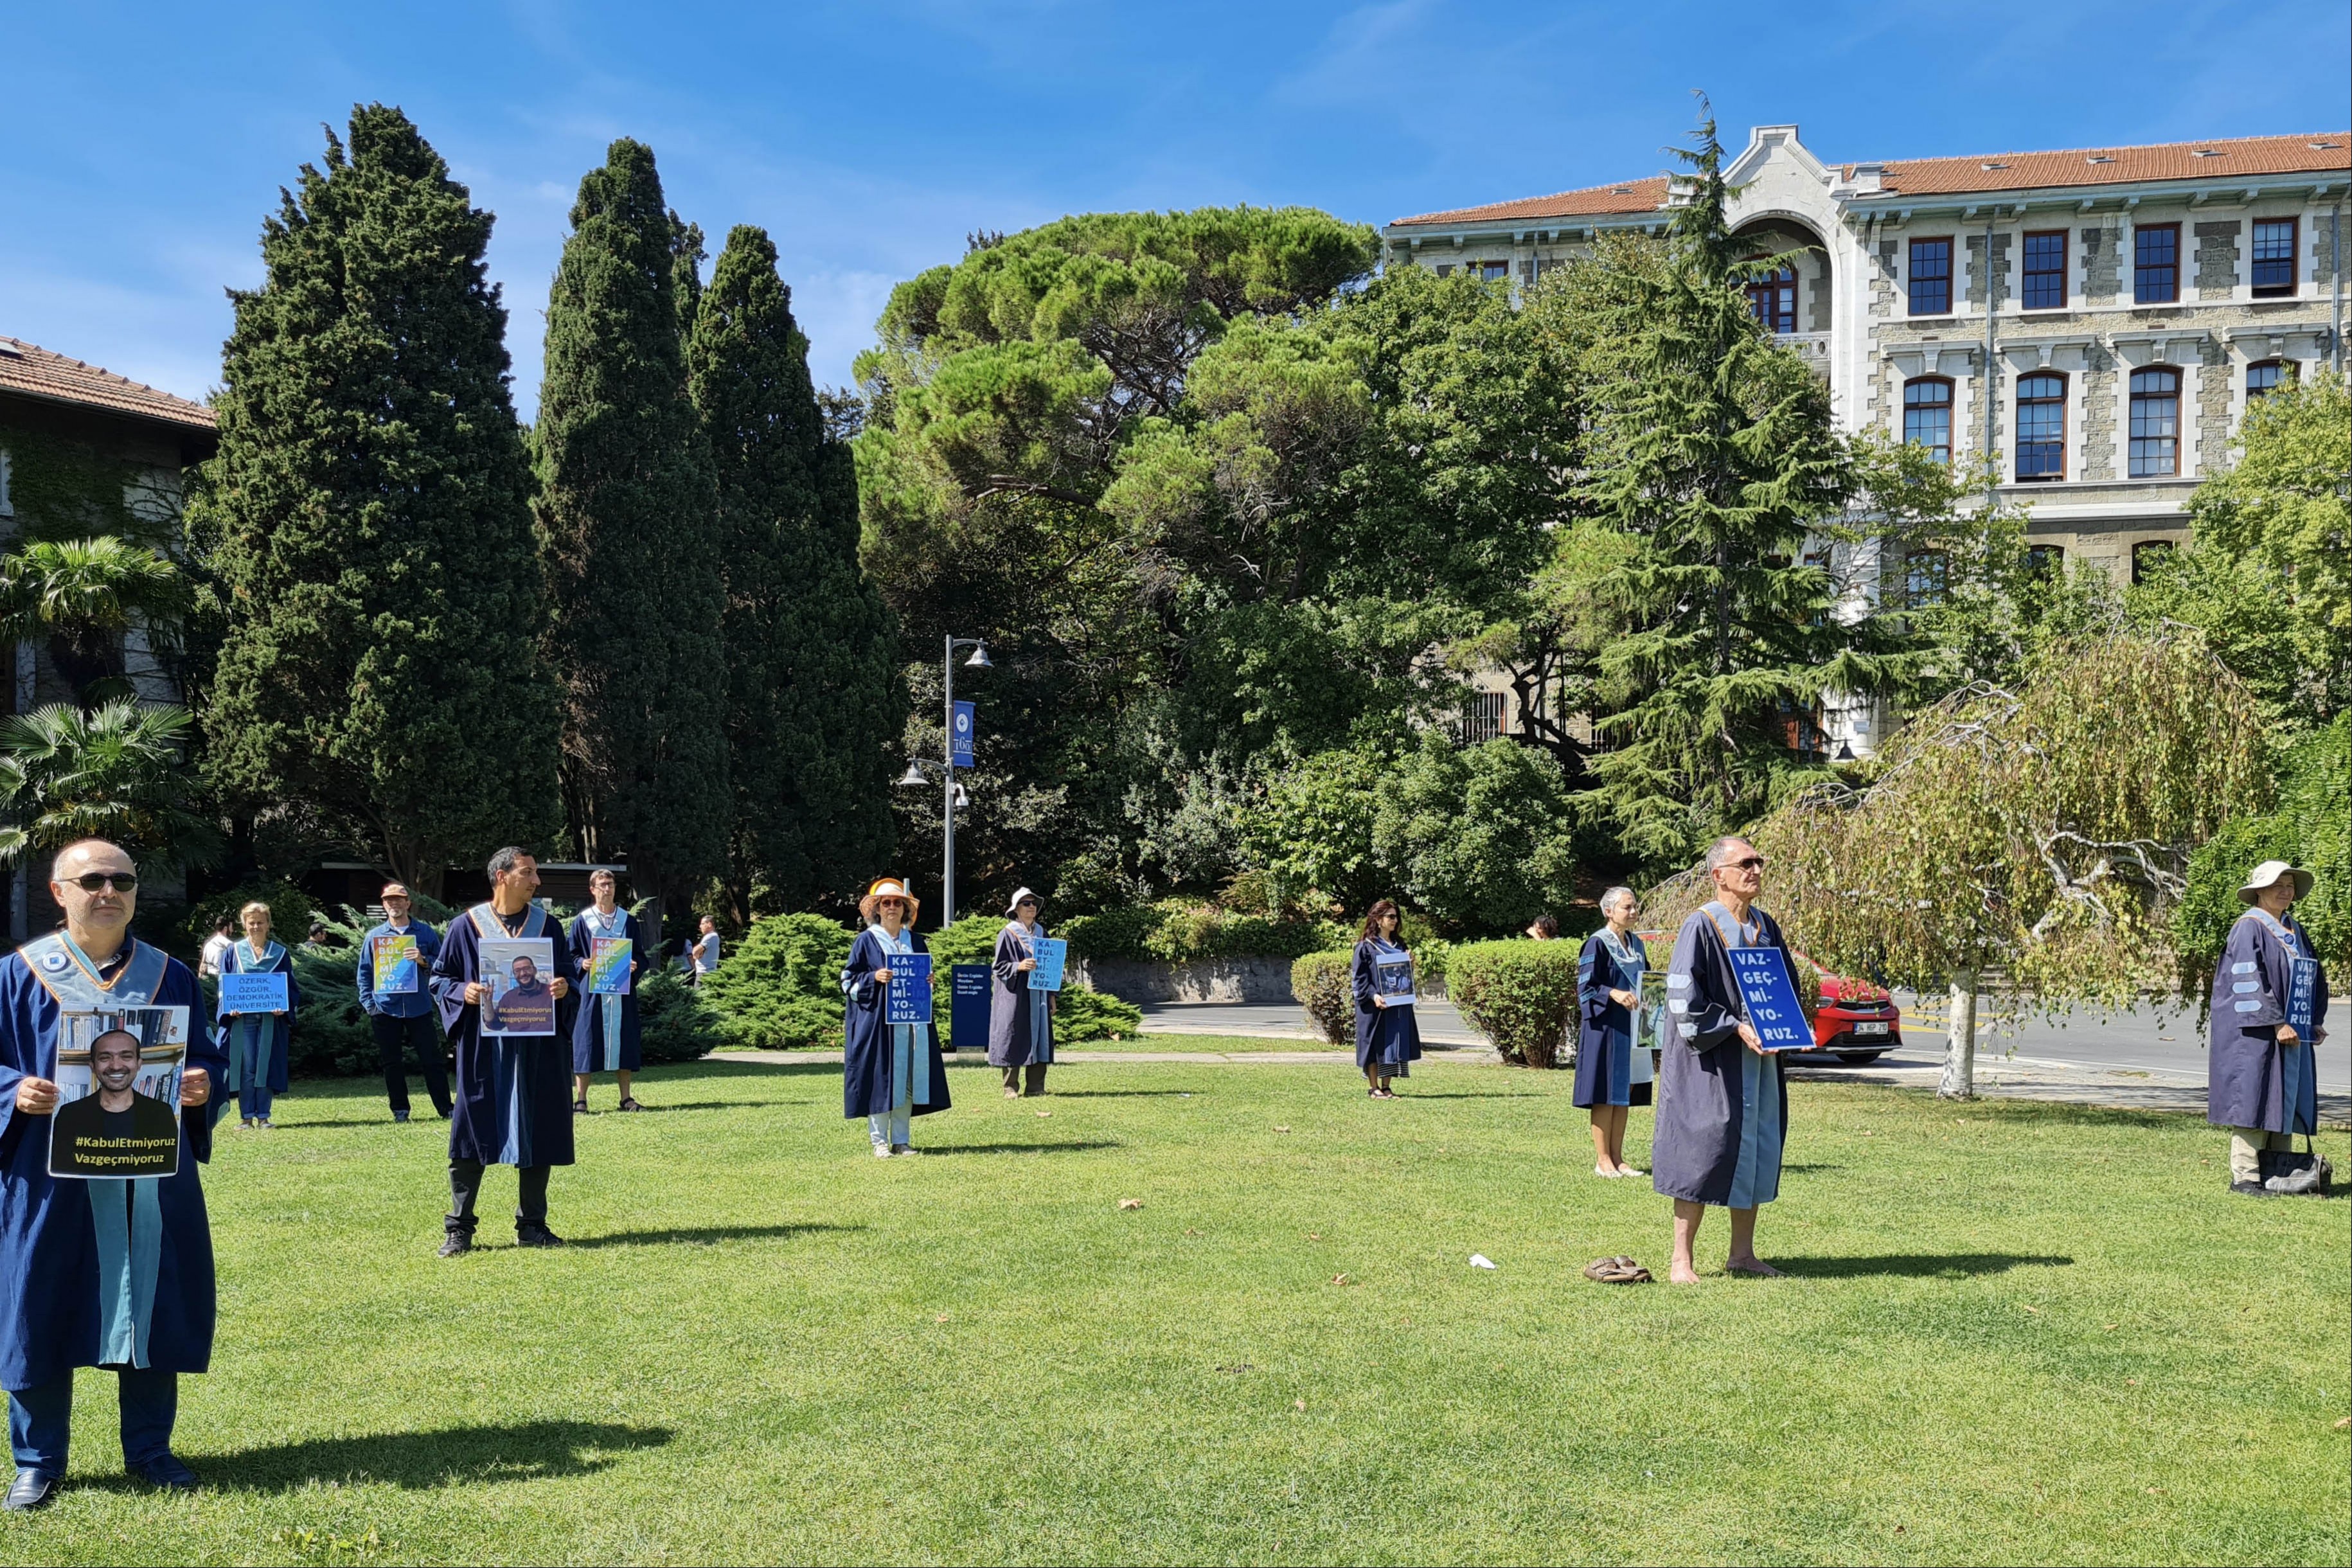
column 253, row 993
column 907, row 999
column 968, row 1007
column 1773, row 1010
column 960, row 740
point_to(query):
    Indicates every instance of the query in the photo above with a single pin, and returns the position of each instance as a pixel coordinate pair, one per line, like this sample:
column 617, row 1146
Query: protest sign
column 253, row 993
column 1052, row 955
column 908, row 997
column 517, row 969
column 118, row 1078
column 392, row 959
column 1773, row 1011
column 1392, row 979
column 608, row 965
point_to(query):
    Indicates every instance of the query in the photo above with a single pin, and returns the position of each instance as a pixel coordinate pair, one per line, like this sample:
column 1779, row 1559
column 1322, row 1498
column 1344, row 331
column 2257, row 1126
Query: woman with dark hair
column 1387, row 1038
column 1612, row 1071
column 1543, row 928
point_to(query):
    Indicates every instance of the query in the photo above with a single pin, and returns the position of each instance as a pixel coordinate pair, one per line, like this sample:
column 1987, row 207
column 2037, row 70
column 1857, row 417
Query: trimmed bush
column 1084, row 1014
column 1114, row 933
column 1519, row 994
column 1321, row 982
column 1182, row 931
column 779, row 988
column 673, row 1022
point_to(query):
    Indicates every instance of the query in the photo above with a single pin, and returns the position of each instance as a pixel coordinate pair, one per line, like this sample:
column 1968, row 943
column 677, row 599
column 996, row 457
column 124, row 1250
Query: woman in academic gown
column 890, row 1071
column 1387, row 1040
column 257, row 1043
column 2259, row 1083
column 606, row 1036
column 1611, row 1073
column 1020, row 1021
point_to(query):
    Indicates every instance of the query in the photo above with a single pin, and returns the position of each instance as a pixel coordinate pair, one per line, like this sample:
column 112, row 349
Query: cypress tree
column 366, row 524
column 814, row 701
column 626, row 511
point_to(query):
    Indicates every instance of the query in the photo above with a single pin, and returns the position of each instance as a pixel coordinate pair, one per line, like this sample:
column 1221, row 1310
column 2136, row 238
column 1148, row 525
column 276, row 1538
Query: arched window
column 1928, row 578
column 2155, row 422
column 1927, row 415
column 2266, row 376
column 2149, row 555
column 1774, row 301
column 2041, row 427
column 2045, row 562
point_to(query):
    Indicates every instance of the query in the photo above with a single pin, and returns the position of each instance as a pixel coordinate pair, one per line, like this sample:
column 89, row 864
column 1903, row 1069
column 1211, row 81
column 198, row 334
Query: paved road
column 2144, row 1040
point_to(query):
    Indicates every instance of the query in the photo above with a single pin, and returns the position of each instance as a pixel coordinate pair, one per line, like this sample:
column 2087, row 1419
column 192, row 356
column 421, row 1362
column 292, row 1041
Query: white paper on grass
column 1480, row 1260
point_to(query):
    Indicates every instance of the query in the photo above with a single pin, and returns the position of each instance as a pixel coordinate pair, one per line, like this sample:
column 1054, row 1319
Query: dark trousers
column 40, row 1420
column 1028, row 1077
column 422, row 1034
column 466, row 1185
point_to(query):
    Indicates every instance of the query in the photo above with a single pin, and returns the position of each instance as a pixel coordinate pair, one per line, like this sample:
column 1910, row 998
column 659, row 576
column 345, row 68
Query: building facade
column 2096, row 320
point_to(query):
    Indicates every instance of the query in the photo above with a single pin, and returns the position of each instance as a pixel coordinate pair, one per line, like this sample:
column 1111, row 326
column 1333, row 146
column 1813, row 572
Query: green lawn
column 2018, row 1333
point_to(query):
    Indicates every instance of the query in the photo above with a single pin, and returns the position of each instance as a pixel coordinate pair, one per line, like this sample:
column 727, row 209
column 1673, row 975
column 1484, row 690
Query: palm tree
column 116, row 772
column 84, row 594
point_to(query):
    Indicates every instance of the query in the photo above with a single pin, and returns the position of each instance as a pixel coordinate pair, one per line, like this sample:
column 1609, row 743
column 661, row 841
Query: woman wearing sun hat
column 2270, row 995
column 890, row 1071
column 1020, row 1021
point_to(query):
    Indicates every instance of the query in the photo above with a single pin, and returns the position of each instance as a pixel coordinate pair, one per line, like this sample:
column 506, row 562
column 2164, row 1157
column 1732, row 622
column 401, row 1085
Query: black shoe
column 34, row 1488
column 2249, row 1189
column 536, row 1235
column 400, row 1116
column 456, row 1243
column 169, row 1473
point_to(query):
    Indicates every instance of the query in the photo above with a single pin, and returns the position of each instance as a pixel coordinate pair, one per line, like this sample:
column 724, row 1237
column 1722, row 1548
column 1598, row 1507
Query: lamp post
column 952, row 794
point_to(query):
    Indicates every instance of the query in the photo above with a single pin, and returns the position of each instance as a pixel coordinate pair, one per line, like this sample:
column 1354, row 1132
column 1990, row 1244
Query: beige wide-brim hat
column 888, row 888
column 1024, row 896
column 2268, row 873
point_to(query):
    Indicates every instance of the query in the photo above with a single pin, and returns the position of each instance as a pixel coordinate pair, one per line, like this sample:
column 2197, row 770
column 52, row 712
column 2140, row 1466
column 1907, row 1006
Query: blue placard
column 1052, row 955
column 959, row 737
column 907, row 999
column 1773, row 1010
column 968, row 1006
column 253, row 993
column 2302, row 995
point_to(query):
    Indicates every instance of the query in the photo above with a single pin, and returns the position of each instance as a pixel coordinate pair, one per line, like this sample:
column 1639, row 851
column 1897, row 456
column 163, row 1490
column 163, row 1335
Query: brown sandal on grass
column 1616, row 1271
column 631, row 1104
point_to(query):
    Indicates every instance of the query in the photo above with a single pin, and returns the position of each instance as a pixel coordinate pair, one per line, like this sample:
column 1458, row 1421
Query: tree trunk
column 1960, row 1080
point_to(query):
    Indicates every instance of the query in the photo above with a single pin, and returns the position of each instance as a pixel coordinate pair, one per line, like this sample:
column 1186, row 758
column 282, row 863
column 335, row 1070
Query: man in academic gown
column 1722, row 1108
column 111, row 1273
column 2259, row 1083
column 511, row 1105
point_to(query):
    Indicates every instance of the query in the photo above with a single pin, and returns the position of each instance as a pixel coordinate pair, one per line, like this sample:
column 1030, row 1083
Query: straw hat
column 1024, row 896
column 2268, row 873
column 888, row 888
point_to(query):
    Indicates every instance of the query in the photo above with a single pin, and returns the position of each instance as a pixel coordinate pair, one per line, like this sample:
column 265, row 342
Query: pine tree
column 366, row 524
column 626, row 512
column 814, row 701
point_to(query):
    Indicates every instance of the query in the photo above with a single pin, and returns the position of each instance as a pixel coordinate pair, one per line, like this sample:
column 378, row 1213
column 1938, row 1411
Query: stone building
column 83, row 451
column 2096, row 318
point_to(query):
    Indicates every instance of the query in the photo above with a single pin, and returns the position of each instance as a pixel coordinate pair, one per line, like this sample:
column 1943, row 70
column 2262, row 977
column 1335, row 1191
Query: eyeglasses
column 121, row 881
column 1753, row 863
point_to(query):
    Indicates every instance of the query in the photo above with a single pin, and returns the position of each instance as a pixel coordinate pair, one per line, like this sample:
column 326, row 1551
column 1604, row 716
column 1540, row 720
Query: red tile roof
column 2250, row 156
column 2228, row 158
column 30, row 371
column 1625, row 196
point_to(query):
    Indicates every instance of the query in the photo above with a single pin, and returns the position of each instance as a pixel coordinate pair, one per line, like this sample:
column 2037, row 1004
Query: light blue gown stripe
column 130, row 1258
column 608, row 1015
column 1756, row 1179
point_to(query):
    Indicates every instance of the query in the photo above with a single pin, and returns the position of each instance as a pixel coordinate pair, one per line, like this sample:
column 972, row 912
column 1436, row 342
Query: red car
column 1857, row 1022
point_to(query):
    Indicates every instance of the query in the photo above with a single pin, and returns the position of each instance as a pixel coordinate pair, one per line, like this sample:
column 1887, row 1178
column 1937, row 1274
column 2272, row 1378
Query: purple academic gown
column 1722, row 1109
column 49, row 1308
column 512, row 1095
column 2250, row 1080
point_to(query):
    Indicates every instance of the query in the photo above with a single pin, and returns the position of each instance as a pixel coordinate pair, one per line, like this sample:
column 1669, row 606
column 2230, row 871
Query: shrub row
column 1179, row 930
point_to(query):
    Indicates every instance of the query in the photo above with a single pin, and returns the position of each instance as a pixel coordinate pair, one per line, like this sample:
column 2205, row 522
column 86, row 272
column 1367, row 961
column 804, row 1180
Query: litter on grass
column 1480, row 1260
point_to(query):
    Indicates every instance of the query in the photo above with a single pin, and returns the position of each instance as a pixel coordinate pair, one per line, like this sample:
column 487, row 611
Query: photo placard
column 518, row 969
column 118, row 1078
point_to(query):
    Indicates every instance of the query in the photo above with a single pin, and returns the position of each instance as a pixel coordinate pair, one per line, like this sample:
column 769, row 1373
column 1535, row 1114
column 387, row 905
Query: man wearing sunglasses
column 103, row 1271
column 1722, row 1108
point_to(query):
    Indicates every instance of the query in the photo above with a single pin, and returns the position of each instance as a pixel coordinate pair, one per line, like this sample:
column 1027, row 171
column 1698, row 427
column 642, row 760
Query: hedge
column 1181, row 931
column 1519, row 994
column 1320, row 982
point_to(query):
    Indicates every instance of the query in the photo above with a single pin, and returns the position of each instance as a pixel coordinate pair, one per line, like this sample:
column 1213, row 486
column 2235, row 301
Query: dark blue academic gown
column 512, row 1095
column 48, row 1248
column 1387, row 1039
column 277, row 1034
column 1723, row 1109
column 2250, row 1080
column 1604, row 1031
column 868, row 1086
column 604, row 1033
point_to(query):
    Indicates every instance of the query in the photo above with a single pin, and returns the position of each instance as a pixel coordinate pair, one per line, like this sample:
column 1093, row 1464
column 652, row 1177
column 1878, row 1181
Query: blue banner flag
column 959, row 739
column 253, row 993
column 968, row 1006
column 1773, row 1010
column 1051, row 954
column 908, row 997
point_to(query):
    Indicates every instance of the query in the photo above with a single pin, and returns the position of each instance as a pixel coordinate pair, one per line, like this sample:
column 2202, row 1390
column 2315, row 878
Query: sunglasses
column 1753, row 863
column 92, row 882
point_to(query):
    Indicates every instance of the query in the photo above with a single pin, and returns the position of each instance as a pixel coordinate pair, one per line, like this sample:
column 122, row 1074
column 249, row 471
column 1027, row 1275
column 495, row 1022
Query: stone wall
column 2102, row 264
column 2097, row 392
column 2217, row 259
column 1203, row 980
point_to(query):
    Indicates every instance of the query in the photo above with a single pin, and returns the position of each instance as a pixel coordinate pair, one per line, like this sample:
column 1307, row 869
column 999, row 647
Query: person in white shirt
column 219, row 942
column 706, row 951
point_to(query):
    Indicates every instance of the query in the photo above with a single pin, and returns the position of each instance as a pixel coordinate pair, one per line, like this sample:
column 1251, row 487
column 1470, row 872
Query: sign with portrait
column 518, row 970
column 118, row 1078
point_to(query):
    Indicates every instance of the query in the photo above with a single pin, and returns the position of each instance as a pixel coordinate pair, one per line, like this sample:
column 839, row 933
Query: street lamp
column 953, row 793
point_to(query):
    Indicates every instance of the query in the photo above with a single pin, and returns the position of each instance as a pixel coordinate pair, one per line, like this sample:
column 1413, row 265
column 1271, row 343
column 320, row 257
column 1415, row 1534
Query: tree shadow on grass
column 1465, row 1094
column 936, row 1149
column 705, row 1235
column 1120, row 1093
column 384, row 1121
column 522, row 1451
column 1918, row 1266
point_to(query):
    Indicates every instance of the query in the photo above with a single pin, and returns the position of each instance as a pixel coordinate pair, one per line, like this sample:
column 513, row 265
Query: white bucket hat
column 2268, row 873
column 1023, row 896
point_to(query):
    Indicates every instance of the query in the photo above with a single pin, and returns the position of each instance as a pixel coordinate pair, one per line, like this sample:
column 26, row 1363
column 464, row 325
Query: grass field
column 2016, row 1333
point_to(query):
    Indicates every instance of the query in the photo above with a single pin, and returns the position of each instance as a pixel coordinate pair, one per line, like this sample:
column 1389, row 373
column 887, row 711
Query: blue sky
column 140, row 144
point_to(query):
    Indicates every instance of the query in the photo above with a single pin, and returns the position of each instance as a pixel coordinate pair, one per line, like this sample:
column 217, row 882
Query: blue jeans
column 40, row 1420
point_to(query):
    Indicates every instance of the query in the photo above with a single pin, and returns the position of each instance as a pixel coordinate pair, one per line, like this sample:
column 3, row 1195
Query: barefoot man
column 1721, row 1105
